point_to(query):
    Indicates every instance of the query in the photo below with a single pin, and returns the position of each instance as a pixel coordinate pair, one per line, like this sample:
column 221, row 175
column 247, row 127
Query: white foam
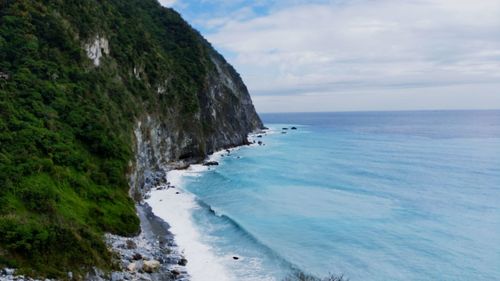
column 175, row 206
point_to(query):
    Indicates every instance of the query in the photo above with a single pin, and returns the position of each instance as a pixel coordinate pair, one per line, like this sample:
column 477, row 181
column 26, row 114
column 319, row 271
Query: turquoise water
column 374, row 196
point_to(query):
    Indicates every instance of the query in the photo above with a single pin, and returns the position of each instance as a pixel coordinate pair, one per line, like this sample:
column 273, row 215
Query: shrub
column 300, row 276
column 38, row 194
column 66, row 126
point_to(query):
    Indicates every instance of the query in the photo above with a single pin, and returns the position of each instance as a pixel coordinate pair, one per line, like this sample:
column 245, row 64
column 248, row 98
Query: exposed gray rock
column 9, row 274
column 155, row 255
column 96, row 275
column 131, row 244
column 132, row 266
column 118, row 276
column 151, row 266
column 175, row 272
column 163, row 142
column 8, row 271
column 183, row 262
column 97, row 48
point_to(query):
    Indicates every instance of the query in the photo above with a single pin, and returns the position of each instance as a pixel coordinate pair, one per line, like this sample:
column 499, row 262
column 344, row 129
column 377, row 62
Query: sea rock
column 211, row 163
column 175, row 272
column 182, row 262
column 259, row 142
column 151, row 266
column 294, row 128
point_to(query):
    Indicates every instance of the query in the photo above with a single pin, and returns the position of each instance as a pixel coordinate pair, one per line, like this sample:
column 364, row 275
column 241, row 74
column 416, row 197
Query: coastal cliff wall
column 97, row 99
column 225, row 119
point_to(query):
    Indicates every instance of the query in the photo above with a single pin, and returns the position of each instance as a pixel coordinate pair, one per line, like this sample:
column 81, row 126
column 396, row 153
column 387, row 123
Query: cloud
column 465, row 96
column 167, row 3
column 337, row 46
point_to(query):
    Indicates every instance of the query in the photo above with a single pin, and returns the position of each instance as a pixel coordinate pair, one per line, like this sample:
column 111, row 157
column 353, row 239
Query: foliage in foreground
column 66, row 125
column 300, row 276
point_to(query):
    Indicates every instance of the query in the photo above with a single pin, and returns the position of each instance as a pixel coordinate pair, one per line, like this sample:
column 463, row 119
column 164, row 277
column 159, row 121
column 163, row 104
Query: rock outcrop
column 101, row 99
column 97, row 49
column 226, row 117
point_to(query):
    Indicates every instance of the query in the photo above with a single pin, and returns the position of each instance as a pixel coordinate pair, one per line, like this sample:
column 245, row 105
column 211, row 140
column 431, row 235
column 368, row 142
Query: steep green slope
column 67, row 120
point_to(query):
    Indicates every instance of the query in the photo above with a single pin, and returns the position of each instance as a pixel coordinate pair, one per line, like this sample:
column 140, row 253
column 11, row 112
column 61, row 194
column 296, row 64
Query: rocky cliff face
column 225, row 119
column 98, row 99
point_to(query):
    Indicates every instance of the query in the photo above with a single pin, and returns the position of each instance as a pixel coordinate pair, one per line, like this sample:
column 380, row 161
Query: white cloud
column 369, row 45
column 167, row 3
column 465, row 96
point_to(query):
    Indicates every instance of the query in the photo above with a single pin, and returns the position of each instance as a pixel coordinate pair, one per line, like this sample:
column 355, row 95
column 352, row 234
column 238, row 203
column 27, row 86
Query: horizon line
column 368, row 111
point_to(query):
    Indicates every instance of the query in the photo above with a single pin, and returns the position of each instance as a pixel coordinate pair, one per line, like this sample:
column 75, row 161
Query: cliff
column 226, row 115
column 97, row 100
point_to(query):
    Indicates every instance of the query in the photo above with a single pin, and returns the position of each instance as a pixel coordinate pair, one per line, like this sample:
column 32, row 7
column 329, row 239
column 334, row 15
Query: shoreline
column 152, row 255
column 168, row 235
column 175, row 205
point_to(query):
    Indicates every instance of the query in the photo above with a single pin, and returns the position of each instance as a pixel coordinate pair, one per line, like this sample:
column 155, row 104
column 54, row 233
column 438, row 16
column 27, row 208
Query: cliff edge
column 97, row 99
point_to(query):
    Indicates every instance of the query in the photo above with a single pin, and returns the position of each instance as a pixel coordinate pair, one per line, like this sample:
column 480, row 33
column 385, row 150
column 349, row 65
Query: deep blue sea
column 371, row 195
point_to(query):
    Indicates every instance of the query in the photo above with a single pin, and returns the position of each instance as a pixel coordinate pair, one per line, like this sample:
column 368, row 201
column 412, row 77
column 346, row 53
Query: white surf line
column 175, row 206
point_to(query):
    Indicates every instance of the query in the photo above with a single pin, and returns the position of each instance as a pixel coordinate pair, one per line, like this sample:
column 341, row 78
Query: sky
column 356, row 55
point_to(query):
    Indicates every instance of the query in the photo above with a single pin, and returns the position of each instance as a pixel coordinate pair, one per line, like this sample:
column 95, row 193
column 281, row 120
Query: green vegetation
column 66, row 125
column 300, row 276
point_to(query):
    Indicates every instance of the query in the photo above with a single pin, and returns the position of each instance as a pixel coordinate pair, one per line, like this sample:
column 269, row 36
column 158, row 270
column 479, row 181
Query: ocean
column 370, row 195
